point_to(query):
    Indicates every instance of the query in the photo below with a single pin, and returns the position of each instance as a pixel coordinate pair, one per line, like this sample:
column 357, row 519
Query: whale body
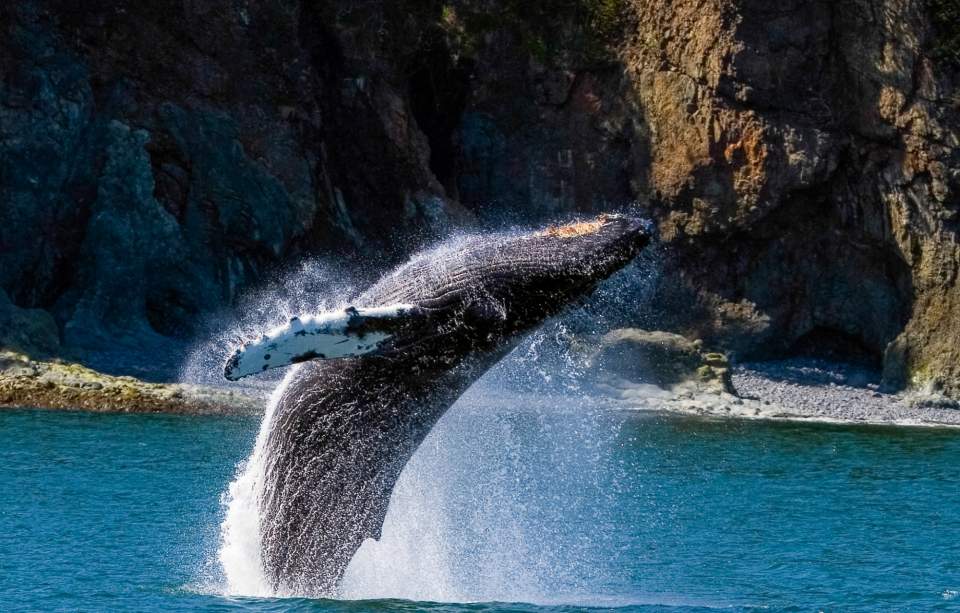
column 348, row 420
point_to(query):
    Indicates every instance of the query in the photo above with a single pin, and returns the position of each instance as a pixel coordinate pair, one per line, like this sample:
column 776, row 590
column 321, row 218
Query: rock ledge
column 25, row 382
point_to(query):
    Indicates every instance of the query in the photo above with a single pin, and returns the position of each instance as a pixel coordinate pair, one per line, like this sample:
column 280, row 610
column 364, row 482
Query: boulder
column 634, row 356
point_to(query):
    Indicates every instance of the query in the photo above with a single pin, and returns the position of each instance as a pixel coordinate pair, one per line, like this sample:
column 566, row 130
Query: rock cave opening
column 827, row 343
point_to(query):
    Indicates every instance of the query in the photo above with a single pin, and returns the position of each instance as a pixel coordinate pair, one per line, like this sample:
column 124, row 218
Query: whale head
column 471, row 295
column 517, row 281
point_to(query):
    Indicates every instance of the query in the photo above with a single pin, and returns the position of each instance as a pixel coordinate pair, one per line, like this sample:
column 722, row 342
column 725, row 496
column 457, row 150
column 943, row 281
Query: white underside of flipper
column 326, row 336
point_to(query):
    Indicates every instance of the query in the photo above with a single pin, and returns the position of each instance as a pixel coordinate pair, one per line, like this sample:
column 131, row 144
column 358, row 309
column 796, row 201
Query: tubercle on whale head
column 608, row 240
column 590, row 227
column 562, row 263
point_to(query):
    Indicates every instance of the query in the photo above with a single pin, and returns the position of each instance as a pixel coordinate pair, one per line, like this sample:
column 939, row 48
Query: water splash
column 239, row 552
column 481, row 511
column 312, row 287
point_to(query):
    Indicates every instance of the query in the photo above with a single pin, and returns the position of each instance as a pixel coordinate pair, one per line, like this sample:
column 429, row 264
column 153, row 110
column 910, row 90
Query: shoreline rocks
column 640, row 369
column 625, row 357
column 30, row 383
column 661, row 371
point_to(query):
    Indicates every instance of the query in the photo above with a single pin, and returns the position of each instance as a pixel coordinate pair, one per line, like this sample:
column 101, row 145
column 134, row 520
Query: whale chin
column 377, row 377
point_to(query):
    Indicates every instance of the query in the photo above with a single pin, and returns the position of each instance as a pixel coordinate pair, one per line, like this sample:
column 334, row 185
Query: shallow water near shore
column 551, row 503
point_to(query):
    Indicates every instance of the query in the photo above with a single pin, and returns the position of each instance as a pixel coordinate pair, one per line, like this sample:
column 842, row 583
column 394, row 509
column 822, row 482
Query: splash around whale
column 373, row 379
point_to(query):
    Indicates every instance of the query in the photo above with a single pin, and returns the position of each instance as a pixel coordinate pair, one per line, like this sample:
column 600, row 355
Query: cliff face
column 156, row 159
column 806, row 167
column 801, row 158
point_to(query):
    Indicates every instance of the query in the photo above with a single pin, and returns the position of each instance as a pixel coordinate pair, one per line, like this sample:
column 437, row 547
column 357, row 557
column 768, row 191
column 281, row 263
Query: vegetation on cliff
column 588, row 30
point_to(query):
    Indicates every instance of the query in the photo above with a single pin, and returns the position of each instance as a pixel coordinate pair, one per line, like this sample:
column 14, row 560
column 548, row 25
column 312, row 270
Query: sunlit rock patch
column 25, row 382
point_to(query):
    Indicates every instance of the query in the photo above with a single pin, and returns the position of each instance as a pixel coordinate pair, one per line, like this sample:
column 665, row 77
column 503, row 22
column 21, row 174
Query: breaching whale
column 375, row 378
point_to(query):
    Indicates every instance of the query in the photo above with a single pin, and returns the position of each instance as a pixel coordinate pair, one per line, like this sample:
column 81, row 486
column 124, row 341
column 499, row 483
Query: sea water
column 513, row 503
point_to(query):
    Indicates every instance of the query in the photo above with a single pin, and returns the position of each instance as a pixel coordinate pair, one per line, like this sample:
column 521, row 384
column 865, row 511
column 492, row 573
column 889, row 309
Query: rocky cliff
column 801, row 158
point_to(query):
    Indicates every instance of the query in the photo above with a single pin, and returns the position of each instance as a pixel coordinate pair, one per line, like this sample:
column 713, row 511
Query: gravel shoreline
column 802, row 390
column 797, row 390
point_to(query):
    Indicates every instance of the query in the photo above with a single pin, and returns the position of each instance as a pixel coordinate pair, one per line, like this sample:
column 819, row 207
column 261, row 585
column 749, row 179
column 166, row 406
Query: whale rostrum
column 374, row 379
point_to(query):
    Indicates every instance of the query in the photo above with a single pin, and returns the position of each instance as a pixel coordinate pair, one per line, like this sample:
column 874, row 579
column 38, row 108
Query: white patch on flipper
column 325, row 336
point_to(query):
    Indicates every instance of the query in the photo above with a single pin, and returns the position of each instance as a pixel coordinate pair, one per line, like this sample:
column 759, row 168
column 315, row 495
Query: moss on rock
column 946, row 21
column 25, row 382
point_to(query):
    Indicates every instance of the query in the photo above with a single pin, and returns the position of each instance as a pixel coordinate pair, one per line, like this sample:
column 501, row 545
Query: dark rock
column 31, row 331
column 156, row 160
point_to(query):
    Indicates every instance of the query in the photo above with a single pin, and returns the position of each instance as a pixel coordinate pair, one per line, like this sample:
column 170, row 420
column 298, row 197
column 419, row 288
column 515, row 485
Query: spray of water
column 313, row 286
column 498, row 502
column 240, row 531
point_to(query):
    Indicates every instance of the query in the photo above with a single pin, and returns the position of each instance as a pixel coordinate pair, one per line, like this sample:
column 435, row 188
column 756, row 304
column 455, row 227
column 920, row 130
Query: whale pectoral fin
column 335, row 334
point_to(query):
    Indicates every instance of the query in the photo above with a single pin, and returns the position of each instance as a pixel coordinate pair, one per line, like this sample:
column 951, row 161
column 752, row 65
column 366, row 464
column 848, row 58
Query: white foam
column 239, row 553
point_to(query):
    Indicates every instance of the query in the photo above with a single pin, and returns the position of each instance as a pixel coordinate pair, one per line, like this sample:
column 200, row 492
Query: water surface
column 530, row 501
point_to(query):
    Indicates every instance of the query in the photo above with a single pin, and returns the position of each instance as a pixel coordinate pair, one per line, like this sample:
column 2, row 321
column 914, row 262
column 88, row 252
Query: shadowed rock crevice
column 438, row 90
column 837, row 346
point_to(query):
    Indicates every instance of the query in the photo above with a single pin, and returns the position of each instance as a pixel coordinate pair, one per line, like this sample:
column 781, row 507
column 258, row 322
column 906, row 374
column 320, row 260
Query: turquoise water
column 568, row 509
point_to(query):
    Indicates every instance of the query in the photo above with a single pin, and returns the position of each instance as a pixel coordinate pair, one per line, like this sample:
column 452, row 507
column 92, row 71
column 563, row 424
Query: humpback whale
column 373, row 379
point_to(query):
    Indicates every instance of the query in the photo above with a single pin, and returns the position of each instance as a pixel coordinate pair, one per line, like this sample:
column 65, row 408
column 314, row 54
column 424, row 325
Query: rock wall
column 806, row 171
column 801, row 158
column 157, row 158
